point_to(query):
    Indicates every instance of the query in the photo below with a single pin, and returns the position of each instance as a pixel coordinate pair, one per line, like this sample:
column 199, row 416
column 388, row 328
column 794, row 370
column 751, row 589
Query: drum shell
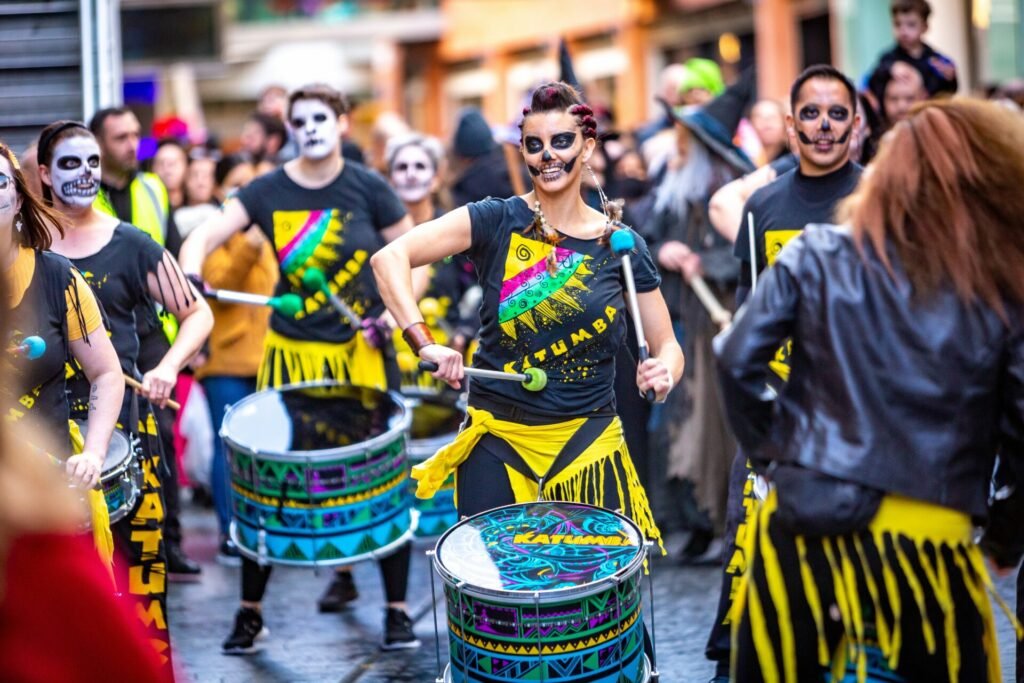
column 121, row 480
column 329, row 506
column 592, row 632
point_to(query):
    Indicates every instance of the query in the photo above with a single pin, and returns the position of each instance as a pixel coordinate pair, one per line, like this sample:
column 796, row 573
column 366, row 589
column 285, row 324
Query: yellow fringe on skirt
column 582, row 481
column 99, row 516
column 898, row 518
column 291, row 361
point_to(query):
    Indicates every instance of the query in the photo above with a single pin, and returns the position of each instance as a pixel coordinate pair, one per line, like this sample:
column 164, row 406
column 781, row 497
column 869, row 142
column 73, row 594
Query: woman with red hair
column 907, row 381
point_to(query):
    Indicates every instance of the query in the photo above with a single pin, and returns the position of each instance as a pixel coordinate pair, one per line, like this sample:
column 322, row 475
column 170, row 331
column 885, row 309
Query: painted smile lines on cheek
column 551, row 167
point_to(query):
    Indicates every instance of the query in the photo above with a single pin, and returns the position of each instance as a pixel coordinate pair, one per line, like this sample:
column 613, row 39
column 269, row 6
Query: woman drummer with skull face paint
column 553, row 298
column 413, row 162
column 49, row 300
column 319, row 211
column 128, row 272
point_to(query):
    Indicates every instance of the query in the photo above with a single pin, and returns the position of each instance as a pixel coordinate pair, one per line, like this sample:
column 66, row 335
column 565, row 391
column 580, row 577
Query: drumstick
column 314, row 280
column 532, row 379
column 137, row 385
column 622, row 243
column 753, row 251
column 719, row 315
column 288, row 305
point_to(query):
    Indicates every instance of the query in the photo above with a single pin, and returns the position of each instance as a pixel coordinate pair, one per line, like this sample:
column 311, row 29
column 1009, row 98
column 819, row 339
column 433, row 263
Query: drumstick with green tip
column 314, row 280
column 532, row 379
column 288, row 305
column 622, row 243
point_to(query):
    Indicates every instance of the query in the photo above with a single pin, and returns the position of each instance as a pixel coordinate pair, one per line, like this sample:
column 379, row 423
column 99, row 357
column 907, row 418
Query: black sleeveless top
column 40, row 387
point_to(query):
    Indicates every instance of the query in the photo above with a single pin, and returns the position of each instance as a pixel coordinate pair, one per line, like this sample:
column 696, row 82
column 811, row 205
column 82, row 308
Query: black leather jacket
column 910, row 396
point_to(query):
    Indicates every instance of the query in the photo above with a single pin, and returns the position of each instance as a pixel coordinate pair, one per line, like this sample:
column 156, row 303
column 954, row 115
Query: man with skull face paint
column 332, row 214
column 129, row 272
column 413, row 162
column 824, row 119
column 553, row 297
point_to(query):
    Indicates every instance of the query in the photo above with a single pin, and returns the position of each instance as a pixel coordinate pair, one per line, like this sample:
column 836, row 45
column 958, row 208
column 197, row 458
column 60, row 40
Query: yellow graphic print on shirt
column 774, row 241
column 305, row 239
column 530, row 291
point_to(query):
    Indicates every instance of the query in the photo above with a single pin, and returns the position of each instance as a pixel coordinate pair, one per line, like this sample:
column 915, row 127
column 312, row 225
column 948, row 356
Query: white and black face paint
column 412, row 173
column 316, row 128
column 75, row 170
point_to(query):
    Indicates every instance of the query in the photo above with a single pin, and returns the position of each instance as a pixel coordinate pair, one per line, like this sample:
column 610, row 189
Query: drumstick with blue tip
column 314, row 280
column 622, row 243
column 532, row 379
column 30, row 347
column 137, row 385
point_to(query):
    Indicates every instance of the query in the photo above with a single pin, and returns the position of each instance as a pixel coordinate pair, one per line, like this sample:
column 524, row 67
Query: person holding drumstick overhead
column 553, row 301
column 325, row 217
column 127, row 270
column 48, row 300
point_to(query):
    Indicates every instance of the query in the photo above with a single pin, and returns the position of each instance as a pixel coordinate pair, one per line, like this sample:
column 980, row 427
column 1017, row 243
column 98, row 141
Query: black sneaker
column 398, row 633
column 249, row 629
column 179, row 566
column 339, row 593
column 228, row 555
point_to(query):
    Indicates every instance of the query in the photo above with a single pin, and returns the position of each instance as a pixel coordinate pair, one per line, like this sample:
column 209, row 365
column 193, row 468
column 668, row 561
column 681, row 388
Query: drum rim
column 122, row 466
column 549, row 594
column 645, row 670
column 399, row 430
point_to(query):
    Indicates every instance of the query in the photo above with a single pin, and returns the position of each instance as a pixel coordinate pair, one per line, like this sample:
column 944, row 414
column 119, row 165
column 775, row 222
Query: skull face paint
column 316, row 129
column 412, row 173
column 552, row 144
column 10, row 201
column 823, row 121
column 75, row 170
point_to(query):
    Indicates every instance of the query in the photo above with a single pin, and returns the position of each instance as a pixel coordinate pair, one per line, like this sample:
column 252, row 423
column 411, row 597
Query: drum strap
column 585, row 435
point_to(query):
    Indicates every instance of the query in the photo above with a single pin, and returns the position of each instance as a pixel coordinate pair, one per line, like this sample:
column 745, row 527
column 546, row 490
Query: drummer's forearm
column 394, row 276
column 105, row 398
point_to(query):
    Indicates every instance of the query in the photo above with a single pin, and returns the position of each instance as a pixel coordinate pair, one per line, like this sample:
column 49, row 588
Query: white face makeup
column 316, row 128
column 75, row 171
column 554, row 149
column 412, row 173
column 9, row 200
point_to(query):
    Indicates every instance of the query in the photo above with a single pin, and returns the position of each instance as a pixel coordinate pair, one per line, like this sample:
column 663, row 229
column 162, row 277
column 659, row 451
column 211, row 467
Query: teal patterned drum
column 318, row 474
column 546, row 591
column 436, row 419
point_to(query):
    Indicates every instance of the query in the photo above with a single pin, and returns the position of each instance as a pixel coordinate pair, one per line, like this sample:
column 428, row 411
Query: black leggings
column 394, row 569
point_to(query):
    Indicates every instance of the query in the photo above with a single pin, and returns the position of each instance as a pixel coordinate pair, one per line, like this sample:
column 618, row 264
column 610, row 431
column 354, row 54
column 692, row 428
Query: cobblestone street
column 308, row 646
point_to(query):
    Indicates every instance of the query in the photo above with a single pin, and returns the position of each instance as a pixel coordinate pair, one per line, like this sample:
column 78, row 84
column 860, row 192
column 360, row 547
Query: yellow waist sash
column 102, row 538
column 582, row 481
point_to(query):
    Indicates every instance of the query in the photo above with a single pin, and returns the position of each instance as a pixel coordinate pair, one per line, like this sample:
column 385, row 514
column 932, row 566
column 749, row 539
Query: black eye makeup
column 563, row 140
column 94, row 161
column 68, row 163
column 402, row 166
column 298, row 123
column 534, row 145
column 319, row 118
column 5, row 181
column 813, row 113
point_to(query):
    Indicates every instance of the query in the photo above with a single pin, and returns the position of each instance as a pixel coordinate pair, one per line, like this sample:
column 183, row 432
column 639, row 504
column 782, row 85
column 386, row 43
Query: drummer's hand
column 654, row 374
column 84, row 469
column 449, row 363
column 158, row 384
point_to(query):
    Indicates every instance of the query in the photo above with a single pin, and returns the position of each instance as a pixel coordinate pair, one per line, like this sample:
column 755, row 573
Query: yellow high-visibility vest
column 150, row 209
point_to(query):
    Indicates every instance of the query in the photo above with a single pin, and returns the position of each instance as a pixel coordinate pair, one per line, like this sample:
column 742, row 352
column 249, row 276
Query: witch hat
column 715, row 123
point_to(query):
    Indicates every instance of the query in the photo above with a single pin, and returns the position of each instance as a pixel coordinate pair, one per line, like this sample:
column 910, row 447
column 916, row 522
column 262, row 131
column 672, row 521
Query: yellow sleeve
column 90, row 310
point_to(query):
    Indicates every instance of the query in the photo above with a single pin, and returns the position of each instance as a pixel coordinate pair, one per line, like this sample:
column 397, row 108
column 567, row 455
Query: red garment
column 60, row 621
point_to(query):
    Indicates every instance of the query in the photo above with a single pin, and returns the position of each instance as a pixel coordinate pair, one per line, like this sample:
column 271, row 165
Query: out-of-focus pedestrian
column 480, row 167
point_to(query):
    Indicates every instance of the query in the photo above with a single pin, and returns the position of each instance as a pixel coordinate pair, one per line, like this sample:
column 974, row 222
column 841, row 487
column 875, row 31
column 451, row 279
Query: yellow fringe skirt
column 292, row 361
column 582, row 481
column 904, row 600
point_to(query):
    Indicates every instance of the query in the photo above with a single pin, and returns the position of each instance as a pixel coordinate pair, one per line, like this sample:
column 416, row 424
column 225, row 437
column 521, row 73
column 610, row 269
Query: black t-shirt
column 118, row 274
column 782, row 208
column 570, row 323
column 335, row 228
column 37, row 386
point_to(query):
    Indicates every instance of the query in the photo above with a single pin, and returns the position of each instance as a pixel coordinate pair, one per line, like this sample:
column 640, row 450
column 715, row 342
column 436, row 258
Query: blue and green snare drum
column 318, row 474
column 545, row 591
column 436, row 419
